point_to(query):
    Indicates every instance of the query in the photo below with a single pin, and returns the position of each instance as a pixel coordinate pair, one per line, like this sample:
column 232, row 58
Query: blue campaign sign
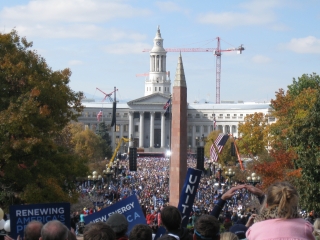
column 188, row 194
column 21, row 215
column 129, row 207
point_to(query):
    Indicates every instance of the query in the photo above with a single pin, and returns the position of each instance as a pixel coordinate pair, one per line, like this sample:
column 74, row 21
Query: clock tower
column 159, row 79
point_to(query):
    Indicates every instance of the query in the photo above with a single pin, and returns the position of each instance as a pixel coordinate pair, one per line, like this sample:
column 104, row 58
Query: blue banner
column 188, row 193
column 129, row 207
column 21, row 215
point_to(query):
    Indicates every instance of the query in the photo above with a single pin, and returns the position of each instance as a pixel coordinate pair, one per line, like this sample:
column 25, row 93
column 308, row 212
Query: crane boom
column 216, row 51
column 107, row 95
column 116, row 150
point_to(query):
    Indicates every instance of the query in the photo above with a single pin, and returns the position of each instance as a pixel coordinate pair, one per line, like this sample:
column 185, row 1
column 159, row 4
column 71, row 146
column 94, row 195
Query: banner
column 21, row 215
column 188, row 194
column 129, row 207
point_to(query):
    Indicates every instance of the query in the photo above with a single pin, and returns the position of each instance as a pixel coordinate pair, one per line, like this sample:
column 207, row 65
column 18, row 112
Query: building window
column 205, row 115
column 189, row 115
column 234, row 129
column 125, row 115
column 136, row 128
column 159, row 89
column 190, row 129
column 155, row 89
column 117, row 128
column 197, row 115
column 165, row 89
column 109, row 115
column 117, row 139
column 118, row 115
column 86, row 114
column 197, row 129
column 220, row 128
column 205, row 129
column 126, row 128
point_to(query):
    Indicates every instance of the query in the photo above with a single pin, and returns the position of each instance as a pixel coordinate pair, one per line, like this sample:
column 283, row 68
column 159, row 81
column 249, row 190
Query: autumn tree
column 295, row 140
column 252, row 134
column 36, row 104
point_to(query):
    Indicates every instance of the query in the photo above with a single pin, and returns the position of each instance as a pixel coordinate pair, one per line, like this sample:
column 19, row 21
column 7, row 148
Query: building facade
column 143, row 119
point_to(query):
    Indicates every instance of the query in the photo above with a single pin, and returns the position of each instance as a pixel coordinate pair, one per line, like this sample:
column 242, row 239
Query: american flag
column 167, row 104
column 99, row 115
column 219, row 143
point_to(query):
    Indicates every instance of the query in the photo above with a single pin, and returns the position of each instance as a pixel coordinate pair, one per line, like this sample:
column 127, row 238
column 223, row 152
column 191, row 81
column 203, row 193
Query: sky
column 101, row 41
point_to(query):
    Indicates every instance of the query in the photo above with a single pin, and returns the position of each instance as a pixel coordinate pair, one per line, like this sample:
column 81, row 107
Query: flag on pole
column 219, row 143
column 99, row 115
column 167, row 106
column 214, row 123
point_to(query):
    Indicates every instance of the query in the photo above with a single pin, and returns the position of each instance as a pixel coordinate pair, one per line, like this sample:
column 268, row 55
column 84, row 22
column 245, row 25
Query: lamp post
column 220, row 175
column 108, row 173
column 230, row 174
column 253, row 179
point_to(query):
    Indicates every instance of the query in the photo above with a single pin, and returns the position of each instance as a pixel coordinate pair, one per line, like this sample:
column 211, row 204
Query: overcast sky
column 101, row 41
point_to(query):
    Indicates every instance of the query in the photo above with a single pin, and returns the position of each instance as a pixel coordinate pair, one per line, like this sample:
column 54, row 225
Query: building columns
column 131, row 129
column 141, row 132
column 152, row 129
column 163, row 131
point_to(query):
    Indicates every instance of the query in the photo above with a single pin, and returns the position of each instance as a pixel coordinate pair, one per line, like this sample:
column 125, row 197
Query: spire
column 180, row 79
column 158, row 34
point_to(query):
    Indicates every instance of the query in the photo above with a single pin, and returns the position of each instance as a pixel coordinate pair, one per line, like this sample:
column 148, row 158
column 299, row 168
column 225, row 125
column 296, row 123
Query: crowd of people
column 234, row 209
column 278, row 219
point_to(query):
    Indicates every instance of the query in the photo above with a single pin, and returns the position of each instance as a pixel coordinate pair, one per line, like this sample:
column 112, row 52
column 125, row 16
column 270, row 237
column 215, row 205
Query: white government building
column 143, row 119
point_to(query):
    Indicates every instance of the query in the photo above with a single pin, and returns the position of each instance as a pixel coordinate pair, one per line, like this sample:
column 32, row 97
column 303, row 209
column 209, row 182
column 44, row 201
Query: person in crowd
column 316, row 231
column 54, row 230
column 140, row 232
column 71, row 235
column 98, row 231
column 171, row 220
column 239, row 230
column 228, row 236
column 279, row 217
column 207, row 227
column 119, row 225
column 31, row 232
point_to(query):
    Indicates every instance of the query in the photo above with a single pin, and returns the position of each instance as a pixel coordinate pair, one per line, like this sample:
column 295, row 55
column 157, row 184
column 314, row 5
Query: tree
column 103, row 133
column 252, row 133
column 36, row 104
column 297, row 130
column 225, row 157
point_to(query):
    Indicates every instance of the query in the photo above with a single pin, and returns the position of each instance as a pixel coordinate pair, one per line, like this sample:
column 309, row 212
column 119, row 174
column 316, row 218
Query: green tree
column 225, row 157
column 36, row 104
column 103, row 133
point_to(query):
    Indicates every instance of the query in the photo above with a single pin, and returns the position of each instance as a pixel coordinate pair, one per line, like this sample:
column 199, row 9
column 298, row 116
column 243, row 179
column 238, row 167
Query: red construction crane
column 107, row 95
column 147, row 74
column 216, row 51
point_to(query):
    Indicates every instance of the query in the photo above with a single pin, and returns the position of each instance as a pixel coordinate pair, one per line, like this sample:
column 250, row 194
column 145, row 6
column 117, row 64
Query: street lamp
column 254, row 180
column 220, row 175
column 229, row 174
column 108, row 173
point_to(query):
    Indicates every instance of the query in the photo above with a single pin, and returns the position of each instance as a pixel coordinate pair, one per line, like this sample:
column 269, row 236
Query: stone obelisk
column 178, row 161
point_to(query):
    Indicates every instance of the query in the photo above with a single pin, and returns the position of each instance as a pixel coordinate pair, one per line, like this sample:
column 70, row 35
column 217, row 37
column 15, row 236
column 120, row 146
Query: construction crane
column 217, row 52
column 107, row 95
column 147, row 74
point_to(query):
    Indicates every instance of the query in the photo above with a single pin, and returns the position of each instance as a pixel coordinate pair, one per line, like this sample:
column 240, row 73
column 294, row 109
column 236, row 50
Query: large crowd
column 234, row 206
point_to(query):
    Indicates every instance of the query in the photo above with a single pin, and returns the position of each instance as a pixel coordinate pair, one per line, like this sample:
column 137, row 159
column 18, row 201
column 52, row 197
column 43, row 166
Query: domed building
column 144, row 120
